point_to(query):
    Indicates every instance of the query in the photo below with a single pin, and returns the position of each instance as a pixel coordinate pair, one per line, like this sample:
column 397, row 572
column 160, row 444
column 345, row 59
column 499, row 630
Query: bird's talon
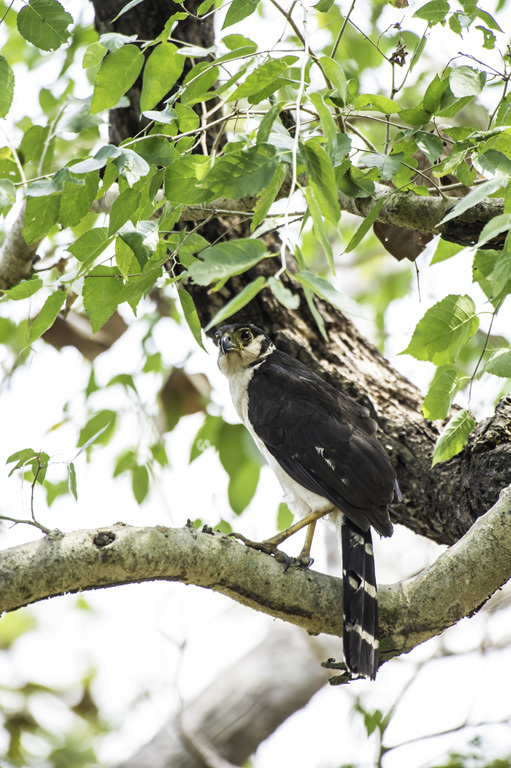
column 305, row 561
column 264, row 546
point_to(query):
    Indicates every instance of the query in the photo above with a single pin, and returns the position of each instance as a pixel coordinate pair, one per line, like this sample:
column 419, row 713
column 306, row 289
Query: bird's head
column 241, row 346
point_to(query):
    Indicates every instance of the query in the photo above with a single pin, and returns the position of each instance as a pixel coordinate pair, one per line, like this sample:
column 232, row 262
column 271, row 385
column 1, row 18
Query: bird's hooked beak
column 225, row 344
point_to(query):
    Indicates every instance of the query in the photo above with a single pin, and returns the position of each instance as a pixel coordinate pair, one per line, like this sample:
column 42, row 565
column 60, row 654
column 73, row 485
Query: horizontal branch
column 455, row 586
column 406, row 210
column 401, row 209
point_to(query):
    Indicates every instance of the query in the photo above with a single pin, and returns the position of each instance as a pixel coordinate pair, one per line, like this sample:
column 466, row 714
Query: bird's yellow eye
column 246, row 335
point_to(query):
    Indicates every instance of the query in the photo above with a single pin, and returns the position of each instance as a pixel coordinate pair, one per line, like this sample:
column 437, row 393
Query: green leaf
column 335, row 74
column 415, row 116
column 322, row 179
column 473, row 198
column 207, row 436
column 376, row 103
column 182, row 179
column 263, row 132
column 434, row 11
column 89, row 427
column 493, row 163
column 76, row 199
column 323, row 6
column 239, row 10
column 327, row 121
column 123, row 208
column 494, row 227
column 140, row 482
column 99, row 429
column 502, row 270
column 243, row 485
column 444, row 330
column 41, row 214
column 445, row 250
column 116, row 75
column 499, row 363
column 388, row 165
column 161, row 71
column 159, row 454
column 243, row 172
column 248, row 293
column 44, row 23
column 103, row 291
column 326, row 291
column 284, row 517
column 198, row 83
column 454, row 437
column 226, row 259
column 191, row 316
column 47, row 315
column 21, row 458
column 94, row 55
column 433, row 94
column 97, row 162
column 143, row 239
column 267, row 197
column 283, row 295
column 366, row 225
column 257, row 82
column 318, row 226
column 89, row 245
column 465, row 81
column 441, row 393
column 235, row 42
column 431, row 145
column 124, row 380
column 6, row 86
column 72, row 480
column 25, row 289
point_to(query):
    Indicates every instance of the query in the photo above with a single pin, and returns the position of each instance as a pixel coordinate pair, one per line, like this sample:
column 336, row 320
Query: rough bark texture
column 456, row 585
column 440, row 503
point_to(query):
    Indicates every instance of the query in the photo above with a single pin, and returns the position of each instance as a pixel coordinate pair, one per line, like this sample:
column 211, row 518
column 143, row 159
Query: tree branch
column 412, row 611
column 401, row 209
column 16, row 257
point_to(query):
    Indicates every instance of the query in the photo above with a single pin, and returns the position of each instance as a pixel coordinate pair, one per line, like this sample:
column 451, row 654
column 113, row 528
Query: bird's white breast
column 300, row 500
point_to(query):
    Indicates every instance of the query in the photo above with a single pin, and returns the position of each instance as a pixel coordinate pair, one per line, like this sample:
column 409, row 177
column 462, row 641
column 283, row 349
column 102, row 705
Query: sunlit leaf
column 499, row 363
column 116, row 75
column 44, row 23
column 444, row 330
column 454, row 437
column 191, row 316
column 6, row 86
column 243, row 298
column 47, row 315
column 441, row 393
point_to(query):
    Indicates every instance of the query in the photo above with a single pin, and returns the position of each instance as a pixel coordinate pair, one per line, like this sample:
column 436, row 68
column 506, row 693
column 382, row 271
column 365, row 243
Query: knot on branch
column 103, row 539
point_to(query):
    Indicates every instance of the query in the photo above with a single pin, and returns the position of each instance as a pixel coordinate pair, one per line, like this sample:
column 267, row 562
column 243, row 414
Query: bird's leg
column 270, row 546
column 304, row 558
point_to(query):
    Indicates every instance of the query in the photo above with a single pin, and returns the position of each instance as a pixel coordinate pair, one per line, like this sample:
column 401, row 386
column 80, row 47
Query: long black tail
column 360, row 603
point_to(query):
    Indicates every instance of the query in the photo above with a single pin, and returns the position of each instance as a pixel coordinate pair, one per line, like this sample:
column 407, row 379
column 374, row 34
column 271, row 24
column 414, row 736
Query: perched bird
column 321, row 446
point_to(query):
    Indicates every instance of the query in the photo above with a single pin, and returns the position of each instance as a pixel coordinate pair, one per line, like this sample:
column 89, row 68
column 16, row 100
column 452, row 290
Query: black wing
column 322, row 439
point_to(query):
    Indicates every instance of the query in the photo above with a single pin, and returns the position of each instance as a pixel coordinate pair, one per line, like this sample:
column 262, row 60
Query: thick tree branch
column 412, row 611
column 230, row 718
column 401, row 209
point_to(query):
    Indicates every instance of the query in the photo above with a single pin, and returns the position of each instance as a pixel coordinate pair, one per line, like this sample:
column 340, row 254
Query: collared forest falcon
column 321, row 446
